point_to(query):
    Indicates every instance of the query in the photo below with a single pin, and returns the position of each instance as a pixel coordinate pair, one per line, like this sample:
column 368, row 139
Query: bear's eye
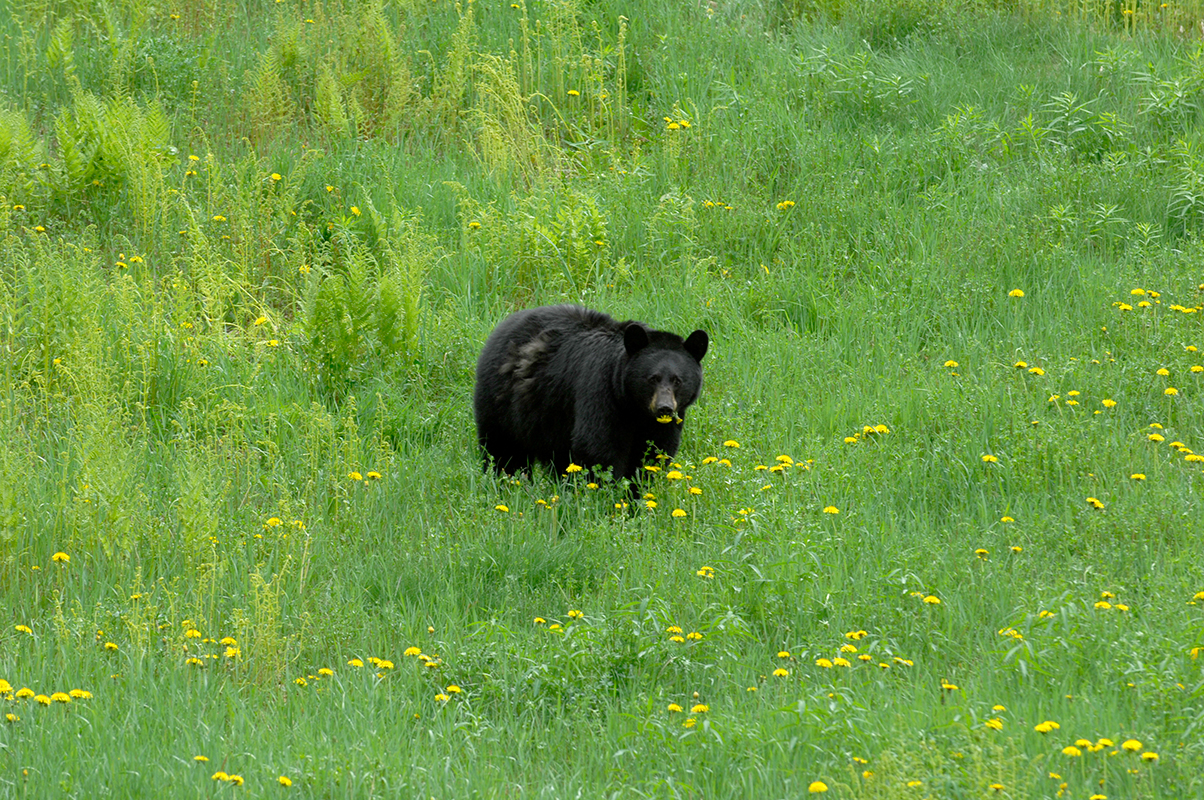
column 676, row 381
column 654, row 378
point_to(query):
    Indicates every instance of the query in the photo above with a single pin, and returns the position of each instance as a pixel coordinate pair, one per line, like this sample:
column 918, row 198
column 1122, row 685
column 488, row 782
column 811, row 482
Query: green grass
column 197, row 353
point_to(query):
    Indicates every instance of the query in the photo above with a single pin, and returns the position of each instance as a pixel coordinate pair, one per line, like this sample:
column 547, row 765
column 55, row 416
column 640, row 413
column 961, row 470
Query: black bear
column 568, row 385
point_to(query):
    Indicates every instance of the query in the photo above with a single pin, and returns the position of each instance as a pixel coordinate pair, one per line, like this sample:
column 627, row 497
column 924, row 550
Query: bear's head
column 664, row 372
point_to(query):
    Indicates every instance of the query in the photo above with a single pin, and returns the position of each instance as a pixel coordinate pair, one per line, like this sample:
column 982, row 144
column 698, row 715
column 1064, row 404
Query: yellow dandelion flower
column 1016, row 293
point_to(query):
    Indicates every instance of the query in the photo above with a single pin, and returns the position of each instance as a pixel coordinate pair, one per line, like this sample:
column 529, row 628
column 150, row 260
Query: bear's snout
column 664, row 403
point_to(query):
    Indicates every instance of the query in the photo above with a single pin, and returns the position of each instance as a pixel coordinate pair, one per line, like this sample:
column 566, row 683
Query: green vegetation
column 949, row 256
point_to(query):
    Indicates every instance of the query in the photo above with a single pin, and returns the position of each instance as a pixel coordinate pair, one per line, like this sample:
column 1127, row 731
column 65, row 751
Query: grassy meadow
column 935, row 529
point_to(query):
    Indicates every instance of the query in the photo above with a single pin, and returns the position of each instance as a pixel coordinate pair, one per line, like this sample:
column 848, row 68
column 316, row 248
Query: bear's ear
column 696, row 344
column 635, row 338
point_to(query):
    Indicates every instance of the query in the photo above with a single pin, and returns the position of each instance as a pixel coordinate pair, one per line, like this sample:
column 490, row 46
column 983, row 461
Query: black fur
column 566, row 384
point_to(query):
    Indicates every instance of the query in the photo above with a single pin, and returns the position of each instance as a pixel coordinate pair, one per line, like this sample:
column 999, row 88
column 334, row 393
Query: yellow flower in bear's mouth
column 665, row 420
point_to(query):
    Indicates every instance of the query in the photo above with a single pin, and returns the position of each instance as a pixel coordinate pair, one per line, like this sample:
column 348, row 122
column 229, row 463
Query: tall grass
column 948, row 256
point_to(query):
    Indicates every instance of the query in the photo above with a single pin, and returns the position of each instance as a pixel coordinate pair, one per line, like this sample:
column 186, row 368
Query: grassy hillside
column 939, row 491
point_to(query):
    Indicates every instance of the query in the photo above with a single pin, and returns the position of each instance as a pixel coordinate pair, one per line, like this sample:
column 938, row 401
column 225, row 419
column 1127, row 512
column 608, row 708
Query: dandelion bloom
column 951, row 364
column 1132, row 745
column 220, row 776
column 1016, row 293
column 781, row 673
column 80, row 694
column 731, row 443
column 1095, row 503
column 571, row 468
column 705, row 572
column 60, row 558
column 823, row 662
column 42, row 699
column 700, row 709
column 673, row 708
column 856, row 635
column 501, row 508
column 1072, row 751
column 694, row 636
column 1170, row 391
column 1149, row 757
column 817, row 787
column 679, row 512
column 23, row 629
column 831, row 510
column 994, row 723
column 987, row 458
column 932, row 600
column 284, row 781
column 1137, row 476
